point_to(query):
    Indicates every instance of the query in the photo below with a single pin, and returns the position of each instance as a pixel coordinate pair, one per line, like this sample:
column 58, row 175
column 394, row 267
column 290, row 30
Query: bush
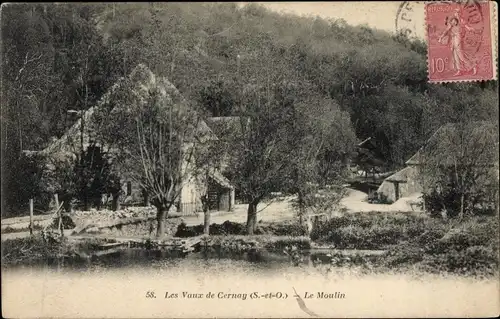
column 373, row 230
column 378, row 198
column 436, row 203
column 28, row 250
column 67, row 222
column 472, row 260
column 288, row 243
column 449, row 200
column 232, row 228
column 22, row 181
column 281, row 229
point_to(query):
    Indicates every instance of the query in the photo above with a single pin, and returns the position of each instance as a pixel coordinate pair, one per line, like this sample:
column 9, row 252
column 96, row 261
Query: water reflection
column 168, row 258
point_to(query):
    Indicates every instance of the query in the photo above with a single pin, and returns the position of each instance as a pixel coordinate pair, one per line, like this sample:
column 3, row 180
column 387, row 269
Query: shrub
column 436, row 203
column 472, row 260
column 288, row 243
column 369, row 231
column 378, row 198
column 403, row 255
column 232, row 228
column 22, row 182
column 28, row 250
column 282, row 229
column 67, row 222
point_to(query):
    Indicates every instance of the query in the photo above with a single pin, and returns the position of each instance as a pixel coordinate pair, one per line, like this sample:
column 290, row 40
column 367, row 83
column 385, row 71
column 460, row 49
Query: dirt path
column 355, row 201
column 267, row 212
column 273, row 211
column 277, row 210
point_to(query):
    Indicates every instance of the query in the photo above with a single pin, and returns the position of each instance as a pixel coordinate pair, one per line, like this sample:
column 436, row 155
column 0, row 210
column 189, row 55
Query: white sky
column 380, row 15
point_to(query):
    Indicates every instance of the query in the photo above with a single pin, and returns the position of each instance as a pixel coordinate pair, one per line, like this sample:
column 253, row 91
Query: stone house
column 443, row 145
column 219, row 189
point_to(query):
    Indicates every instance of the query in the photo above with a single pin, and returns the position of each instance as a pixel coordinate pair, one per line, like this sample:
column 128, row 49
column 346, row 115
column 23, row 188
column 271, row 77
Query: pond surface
column 107, row 286
column 141, row 258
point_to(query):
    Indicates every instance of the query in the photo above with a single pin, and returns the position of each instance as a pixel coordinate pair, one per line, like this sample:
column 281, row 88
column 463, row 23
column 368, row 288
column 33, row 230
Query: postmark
column 406, row 21
column 459, row 41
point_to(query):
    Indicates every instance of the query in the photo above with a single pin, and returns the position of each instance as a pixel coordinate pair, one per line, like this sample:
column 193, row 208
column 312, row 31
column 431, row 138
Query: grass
column 240, row 243
column 10, row 230
column 29, row 250
column 416, row 241
column 411, row 241
column 286, row 228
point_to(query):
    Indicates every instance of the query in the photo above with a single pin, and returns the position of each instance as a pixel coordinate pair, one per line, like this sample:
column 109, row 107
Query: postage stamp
column 459, row 39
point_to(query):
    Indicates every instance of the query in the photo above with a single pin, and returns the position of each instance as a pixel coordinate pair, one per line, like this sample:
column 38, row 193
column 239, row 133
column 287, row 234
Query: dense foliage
column 415, row 241
column 61, row 57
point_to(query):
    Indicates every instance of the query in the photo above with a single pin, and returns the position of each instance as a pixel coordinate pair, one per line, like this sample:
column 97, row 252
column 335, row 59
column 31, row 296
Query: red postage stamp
column 459, row 41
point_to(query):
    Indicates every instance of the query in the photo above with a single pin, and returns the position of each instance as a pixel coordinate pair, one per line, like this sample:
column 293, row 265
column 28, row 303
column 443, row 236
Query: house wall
column 190, row 198
column 412, row 185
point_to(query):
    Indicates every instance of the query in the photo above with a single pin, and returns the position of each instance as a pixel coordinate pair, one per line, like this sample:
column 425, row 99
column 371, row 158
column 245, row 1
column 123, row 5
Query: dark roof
column 443, row 140
column 143, row 80
column 399, row 176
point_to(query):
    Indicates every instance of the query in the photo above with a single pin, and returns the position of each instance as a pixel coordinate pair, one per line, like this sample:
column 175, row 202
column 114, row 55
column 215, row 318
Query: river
column 148, row 283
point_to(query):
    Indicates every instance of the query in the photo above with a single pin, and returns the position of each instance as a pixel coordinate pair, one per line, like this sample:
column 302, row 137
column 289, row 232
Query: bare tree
column 155, row 137
column 458, row 164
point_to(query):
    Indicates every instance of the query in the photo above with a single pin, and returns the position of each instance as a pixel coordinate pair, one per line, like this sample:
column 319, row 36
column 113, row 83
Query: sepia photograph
column 250, row 159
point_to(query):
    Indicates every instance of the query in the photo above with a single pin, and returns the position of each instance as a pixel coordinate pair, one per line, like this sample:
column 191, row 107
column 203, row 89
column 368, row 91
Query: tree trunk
column 206, row 212
column 301, row 207
column 67, row 203
column 85, row 201
column 161, row 216
column 206, row 223
column 145, row 197
column 115, row 204
column 462, row 199
column 251, row 217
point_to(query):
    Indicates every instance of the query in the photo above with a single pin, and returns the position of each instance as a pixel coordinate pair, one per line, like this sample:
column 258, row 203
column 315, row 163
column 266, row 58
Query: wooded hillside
column 62, row 57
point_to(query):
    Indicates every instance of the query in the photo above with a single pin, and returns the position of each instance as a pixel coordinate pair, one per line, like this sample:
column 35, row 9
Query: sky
column 377, row 14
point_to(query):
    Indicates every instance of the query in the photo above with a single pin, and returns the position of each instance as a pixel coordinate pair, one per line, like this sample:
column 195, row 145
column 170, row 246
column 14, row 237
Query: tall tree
column 155, row 137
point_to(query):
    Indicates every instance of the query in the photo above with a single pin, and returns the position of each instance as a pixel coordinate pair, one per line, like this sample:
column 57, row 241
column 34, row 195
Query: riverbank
column 376, row 242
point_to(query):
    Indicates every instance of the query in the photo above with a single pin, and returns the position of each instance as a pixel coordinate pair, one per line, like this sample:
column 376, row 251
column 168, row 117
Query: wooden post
column 31, row 216
column 56, row 199
column 60, row 223
column 206, row 215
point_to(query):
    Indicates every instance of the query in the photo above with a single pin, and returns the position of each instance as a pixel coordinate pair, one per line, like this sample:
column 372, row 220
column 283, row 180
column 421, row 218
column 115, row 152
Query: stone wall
column 142, row 228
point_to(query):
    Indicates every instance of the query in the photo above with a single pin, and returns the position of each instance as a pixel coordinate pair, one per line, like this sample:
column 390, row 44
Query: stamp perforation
column 458, row 56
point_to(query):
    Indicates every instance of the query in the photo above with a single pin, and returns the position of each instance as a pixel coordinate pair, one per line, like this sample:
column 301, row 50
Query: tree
column 458, row 167
column 323, row 142
column 285, row 127
column 155, row 136
column 52, row 54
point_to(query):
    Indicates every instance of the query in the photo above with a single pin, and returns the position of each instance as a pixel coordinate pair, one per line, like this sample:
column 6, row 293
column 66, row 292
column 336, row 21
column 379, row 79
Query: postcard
column 250, row 160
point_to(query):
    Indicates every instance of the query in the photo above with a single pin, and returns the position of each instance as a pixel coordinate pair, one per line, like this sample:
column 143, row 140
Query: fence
column 186, row 209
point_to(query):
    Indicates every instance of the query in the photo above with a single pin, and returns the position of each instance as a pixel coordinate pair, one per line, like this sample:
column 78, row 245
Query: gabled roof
column 399, row 176
column 220, row 179
column 143, row 80
column 449, row 134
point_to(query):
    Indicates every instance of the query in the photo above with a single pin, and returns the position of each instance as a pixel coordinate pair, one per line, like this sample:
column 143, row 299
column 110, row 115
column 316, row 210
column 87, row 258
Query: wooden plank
column 107, row 252
column 111, row 245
